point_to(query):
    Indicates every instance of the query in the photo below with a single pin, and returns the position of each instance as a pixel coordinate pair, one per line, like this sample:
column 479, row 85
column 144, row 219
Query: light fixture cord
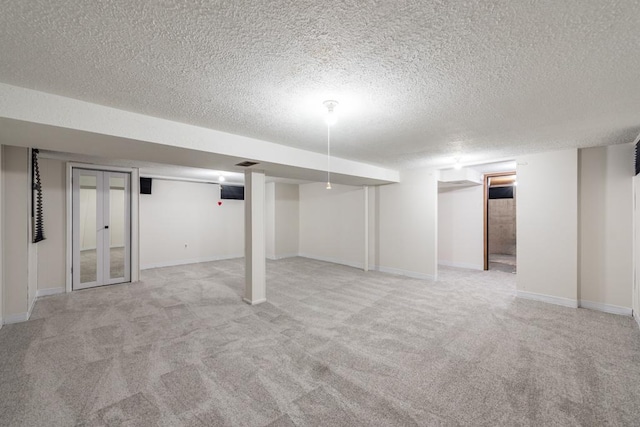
column 328, row 154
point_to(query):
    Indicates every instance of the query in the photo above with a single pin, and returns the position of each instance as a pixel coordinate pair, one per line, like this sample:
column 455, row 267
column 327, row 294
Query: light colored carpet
column 333, row 346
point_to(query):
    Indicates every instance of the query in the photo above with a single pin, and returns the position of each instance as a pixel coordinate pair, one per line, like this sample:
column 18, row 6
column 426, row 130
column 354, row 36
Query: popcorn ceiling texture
column 419, row 82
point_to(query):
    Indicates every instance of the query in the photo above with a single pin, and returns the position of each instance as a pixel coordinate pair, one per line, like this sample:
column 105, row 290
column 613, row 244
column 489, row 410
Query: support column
column 254, row 237
column 365, row 264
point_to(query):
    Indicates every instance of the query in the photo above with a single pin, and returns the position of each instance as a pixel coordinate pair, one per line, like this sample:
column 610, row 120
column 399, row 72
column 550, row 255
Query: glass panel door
column 101, row 228
column 117, row 227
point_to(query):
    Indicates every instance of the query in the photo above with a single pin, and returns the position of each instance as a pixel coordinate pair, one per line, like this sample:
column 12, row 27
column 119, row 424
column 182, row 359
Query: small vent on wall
column 246, row 164
column 637, row 158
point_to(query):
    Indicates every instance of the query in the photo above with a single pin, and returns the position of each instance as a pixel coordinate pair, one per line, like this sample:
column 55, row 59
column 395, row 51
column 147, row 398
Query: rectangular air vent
column 247, row 164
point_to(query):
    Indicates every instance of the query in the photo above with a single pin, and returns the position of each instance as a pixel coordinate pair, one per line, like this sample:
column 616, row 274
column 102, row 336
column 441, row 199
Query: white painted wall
column 2, row 249
column 636, row 274
column 460, row 228
column 606, row 226
column 547, row 235
column 255, row 289
column 181, row 223
column 15, row 233
column 52, row 250
column 407, row 224
column 287, row 220
column 332, row 223
column 373, row 226
column 270, row 219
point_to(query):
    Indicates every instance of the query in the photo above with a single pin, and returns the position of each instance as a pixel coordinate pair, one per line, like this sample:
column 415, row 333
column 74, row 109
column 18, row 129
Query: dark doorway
column 500, row 222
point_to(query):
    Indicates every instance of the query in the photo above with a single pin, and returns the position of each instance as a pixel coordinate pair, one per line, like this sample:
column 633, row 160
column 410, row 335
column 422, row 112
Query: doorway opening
column 500, row 221
column 101, row 228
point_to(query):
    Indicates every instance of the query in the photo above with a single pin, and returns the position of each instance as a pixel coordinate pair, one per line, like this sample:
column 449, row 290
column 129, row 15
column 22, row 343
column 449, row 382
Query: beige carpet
column 334, row 346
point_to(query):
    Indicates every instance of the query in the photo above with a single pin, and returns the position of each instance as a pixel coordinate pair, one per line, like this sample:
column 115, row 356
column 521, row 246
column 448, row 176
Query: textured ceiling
column 419, row 82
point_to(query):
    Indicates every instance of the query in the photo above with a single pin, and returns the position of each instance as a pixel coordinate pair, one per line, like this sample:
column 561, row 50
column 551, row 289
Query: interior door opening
column 500, row 222
column 101, row 227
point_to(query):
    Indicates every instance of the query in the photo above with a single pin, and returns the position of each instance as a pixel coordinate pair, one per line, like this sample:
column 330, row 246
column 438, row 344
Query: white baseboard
column 276, row 258
column 637, row 317
column 188, row 261
column 49, row 291
column 400, row 272
column 33, row 303
column 565, row 302
column 607, row 308
column 16, row 318
column 334, row 261
column 283, row 256
column 461, row 265
column 20, row 317
column 258, row 301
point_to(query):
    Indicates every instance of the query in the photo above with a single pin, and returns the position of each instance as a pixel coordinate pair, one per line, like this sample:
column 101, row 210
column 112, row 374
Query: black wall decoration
column 637, row 157
column 37, row 219
column 232, row 192
column 145, row 185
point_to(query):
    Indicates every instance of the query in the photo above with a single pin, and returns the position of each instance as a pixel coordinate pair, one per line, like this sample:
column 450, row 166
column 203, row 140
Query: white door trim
column 135, row 236
column 108, row 280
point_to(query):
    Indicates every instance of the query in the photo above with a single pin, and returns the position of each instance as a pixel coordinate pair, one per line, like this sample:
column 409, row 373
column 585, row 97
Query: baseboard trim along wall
column 16, row 318
column 407, row 273
column 334, row 261
column 258, row 301
column 188, row 261
column 607, row 308
column 637, row 317
column 565, row 302
column 282, row 257
column 49, row 291
column 461, row 265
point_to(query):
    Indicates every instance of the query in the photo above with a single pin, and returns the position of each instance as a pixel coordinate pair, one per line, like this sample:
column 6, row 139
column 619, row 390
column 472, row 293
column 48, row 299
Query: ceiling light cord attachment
column 330, row 119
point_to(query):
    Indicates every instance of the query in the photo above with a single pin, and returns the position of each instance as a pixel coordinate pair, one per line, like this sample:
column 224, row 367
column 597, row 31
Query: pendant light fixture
column 331, row 119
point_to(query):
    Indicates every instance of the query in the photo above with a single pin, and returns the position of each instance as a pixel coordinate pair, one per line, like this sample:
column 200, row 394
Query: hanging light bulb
column 330, row 118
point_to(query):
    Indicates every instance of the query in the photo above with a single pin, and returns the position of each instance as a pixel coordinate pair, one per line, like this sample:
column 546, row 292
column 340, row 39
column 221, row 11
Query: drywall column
column 547, row 234
column 254, row 237
column 1, row 245
column 606, row 228
column 636, row 249
column 15, row 234
column 270, row 220
column 365, row 189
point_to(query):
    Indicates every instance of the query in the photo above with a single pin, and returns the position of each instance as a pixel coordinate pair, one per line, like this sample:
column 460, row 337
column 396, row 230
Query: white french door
column 101, row 223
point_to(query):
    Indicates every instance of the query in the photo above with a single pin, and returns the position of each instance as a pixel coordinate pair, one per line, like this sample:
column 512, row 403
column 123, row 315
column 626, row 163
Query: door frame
column 485, row 226
column 135, row 234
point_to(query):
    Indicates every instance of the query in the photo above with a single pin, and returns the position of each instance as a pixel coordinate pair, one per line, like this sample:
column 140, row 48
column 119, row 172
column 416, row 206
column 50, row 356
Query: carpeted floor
column 333, row 346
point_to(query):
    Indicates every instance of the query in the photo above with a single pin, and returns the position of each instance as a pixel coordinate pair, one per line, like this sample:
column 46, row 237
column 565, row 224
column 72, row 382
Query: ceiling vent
column 246, row 164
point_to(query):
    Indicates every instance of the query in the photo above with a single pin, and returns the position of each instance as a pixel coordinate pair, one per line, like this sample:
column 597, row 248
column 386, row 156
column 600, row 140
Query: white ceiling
column 419, row 83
